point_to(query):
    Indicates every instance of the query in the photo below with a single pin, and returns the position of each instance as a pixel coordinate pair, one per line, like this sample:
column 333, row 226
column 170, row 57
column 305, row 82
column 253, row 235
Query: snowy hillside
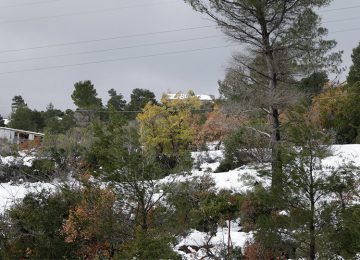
column 239, row 180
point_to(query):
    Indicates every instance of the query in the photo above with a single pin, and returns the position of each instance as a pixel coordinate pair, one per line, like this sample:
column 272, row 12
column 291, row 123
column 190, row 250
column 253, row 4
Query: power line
column 114, row 9
column 338, row 9
column 36, row 3
column 342, row 20
column 126, row 47
column 134, row 35
column 114, row 60
column 107, row 10
column 29, row 4
column 346, row 30
column 124, row 37
column 106, row 39
column 141, row 34
column 113, row 49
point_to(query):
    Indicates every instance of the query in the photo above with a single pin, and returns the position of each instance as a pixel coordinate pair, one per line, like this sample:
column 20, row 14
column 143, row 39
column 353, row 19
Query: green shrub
column 150, row 245
column 33, row 228
column 40, row 170
column 248, row 144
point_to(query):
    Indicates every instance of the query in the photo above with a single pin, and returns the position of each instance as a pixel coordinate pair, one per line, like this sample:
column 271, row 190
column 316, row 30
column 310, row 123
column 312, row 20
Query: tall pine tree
column 268, row 29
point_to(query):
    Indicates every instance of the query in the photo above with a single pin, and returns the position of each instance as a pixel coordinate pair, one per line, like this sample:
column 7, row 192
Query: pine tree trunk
column 229, row 239
column 312, row 248
column 276, row 166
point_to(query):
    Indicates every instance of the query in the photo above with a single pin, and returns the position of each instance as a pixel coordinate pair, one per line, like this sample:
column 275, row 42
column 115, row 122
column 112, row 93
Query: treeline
column 84, row 96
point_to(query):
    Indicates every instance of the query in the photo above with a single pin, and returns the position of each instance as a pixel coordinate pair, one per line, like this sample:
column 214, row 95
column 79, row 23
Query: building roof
column 22, row 131
column 184, row 96
column 206, row 97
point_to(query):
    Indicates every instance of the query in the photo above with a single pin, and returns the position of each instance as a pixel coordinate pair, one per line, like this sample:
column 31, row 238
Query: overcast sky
column 161, row 45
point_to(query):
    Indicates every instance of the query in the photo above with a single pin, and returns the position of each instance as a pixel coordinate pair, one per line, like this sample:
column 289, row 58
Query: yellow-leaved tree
column 166, row 129
column 329, row 104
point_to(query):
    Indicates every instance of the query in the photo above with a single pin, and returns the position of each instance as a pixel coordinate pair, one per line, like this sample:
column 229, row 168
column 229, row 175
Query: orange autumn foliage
column 91, row 222
column 217, row 127
column 327, row 105
column 256, row 251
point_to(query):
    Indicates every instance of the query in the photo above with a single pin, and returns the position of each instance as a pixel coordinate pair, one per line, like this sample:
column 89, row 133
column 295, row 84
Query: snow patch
column 11, row 194
column 197, row 243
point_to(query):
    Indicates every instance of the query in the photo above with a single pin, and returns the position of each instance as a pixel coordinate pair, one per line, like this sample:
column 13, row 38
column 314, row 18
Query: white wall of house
column 7, row 134
column 13, row 134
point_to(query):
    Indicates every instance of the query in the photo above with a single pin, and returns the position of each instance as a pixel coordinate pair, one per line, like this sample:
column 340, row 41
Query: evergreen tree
column 2, row 121
column 39, row 120
column 85, row 96
column 52, row 112
column 311, row 183
column 271, row 29
column 116, row 101
column 57, row 121
column 306, row 181
column 314, row 84
column 17, row 102
column 23, row 118
column 138, row 100
column 354, row 73
column 32, row 228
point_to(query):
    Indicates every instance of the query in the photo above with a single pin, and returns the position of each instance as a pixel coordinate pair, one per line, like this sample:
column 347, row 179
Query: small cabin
column 24, row 139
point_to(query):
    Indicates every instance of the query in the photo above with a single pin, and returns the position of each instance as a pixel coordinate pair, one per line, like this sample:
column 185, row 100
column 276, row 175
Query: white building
column 25, row 139
column 202, row 98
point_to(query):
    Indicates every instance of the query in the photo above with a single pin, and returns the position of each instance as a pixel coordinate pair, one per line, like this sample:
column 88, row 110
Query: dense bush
column 150, row 245
column 33, row 228
column 6, row 148
column 40, row 170
column 247, row 145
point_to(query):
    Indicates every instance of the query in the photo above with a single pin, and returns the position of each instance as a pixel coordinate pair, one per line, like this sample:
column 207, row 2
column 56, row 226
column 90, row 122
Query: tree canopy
column 116, row 100
column 85, row 96
column 165, row 130
column 17, row 102
column 139, row 98
column 25, row 119
column 354, row 72
column 2, row 122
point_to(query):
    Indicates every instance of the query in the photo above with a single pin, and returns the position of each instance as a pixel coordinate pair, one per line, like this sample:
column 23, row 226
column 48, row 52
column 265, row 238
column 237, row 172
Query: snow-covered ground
column 242, row 180
column 193, row 246
column 239, row 180
column 342, row 155
column 23, row 159
column 11, row 194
